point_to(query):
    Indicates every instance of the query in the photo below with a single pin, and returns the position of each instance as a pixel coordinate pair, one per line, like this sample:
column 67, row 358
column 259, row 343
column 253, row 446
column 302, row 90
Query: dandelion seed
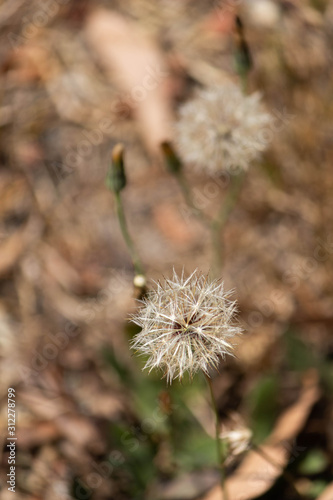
column 186, row 325
column 220, row 129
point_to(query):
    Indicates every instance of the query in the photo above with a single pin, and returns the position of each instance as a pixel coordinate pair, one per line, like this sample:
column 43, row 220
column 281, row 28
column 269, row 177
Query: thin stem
column 138, row 267
column 221, row 219
column 217, row 439
column 215, row 225
column 205, row 219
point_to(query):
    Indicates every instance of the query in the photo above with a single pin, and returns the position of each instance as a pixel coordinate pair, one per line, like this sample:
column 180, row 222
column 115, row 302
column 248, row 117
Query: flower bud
column 116, row 177
column 243, row 59
column 172, row 162
column 140, row 281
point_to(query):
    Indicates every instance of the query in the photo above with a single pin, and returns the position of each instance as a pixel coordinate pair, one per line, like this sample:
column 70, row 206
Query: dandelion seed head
column 187, row 325
column 220, row 129
column 237, row 436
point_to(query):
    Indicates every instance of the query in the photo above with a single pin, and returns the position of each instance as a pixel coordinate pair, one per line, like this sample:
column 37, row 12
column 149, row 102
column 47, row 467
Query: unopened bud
column 116, row 177
column 172, row 162
column 140, row 281
column 243, row 59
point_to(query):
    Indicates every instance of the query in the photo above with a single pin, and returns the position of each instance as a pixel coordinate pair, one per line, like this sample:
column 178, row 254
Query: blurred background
column 77, row 77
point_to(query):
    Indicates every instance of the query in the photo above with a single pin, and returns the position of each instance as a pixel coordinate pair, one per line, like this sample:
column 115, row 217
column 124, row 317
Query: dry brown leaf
column 256, row 475
column 66, row 304
column 79, row 430
column 49, row 69
column 97, row 401
column 221, row 19
column 16, row 244
column 135, row 63
column 8, row 495
column 9, row 9
column 14, row 195
column 60, row 269
column 69, row 88
column 43, row 407
column 38, row 434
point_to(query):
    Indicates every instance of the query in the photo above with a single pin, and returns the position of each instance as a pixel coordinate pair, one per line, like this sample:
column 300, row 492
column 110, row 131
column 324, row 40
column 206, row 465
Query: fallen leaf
column 134, row 61
column 188, row 486
column 60, row 269
column 38, row 434
column 256, row 475
column 78, row 429
column 81, row 432
column 17, row 243
column 221, row 19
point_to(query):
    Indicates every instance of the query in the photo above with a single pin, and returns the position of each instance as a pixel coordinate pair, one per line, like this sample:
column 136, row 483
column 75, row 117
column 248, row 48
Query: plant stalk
column 220, row 220
column 215, row 225
column 205, row 219
column 220, row 456
column 138, row 267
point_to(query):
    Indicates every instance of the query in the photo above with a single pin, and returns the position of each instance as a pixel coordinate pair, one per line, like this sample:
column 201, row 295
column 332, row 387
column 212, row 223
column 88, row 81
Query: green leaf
column 326, row 372
column 300, row 357
column 110, row 358
column 138, row 452
column 314, row 462
column 199, row 450
column 271, row 170
column 316, row 488
column 263, row 404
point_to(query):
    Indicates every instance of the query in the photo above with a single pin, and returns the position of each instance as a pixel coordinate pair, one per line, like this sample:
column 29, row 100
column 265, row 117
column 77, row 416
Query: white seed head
column 220, row 129
column 187, row 325
column 237, row 436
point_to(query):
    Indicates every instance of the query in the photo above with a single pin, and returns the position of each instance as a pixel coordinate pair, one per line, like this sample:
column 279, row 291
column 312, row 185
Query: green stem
column 216, row 224
column 218, row 440
column 138, row 267
column 220, row 220
column 189, row 200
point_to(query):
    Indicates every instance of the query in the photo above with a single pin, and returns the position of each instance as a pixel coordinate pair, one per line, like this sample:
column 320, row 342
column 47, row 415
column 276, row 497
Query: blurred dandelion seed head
column 187, row 325
column 220, row 129
column 237, row 437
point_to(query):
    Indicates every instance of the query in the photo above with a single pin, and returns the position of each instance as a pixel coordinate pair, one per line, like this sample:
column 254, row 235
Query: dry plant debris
column 72, row 84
